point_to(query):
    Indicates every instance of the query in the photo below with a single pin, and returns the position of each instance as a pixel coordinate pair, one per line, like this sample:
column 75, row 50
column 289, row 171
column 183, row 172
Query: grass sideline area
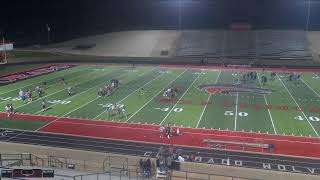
column 292, row 108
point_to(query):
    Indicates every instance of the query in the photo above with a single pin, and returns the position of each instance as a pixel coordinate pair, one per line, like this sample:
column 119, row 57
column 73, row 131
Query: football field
column 291, row 107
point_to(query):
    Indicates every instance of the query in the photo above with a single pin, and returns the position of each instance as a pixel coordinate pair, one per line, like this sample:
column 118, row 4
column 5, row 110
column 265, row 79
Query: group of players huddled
column 108, row 88
column 252, row 76
column 171, row 93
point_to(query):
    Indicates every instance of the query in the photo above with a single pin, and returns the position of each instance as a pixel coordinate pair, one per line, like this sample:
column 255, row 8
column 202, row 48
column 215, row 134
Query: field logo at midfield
column 7, row 79
column 233, row 88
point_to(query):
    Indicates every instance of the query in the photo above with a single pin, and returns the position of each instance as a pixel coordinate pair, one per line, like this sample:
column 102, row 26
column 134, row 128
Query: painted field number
column 231, row 113
column 166, row 109
column 311, row 118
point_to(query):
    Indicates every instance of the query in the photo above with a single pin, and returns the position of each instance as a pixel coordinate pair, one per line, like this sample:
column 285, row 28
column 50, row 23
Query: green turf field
column 293, row 108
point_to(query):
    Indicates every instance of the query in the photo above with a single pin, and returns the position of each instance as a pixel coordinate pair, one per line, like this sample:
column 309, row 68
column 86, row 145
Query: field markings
column 310, row 87
column 33, row 90
column 265, row 99
column 154, row 96
column 33, row 83
column 205, row 107
column 237, row 101
column 63, row 89
column 191, row 85
column 87, row 91
column 298, row 105
column 85, row 103
column 132, row 93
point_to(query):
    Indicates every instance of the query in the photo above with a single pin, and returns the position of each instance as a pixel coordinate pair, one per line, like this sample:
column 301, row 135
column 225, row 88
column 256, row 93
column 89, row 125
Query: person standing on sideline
column 69, row 91
column 162, row 130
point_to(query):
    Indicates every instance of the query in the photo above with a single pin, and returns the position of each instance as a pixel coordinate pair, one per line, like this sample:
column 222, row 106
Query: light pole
column 48, row 33
column 4, row 51
column 180, row 12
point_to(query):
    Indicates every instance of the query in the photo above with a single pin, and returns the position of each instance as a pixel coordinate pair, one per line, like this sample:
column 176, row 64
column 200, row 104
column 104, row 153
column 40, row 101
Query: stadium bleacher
column 259, row 45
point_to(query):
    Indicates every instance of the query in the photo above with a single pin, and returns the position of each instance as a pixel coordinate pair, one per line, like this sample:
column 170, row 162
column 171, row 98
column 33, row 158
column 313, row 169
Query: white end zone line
column 180, row 99
column 237, row 99
column 298, row 106
column 158, row 76
column 155, row 96
column 205, row 107
column 265, row 99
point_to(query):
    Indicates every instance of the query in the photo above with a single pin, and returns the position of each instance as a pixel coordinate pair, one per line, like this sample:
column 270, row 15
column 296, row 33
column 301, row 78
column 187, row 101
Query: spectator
column 180, row 159
column 162, row 130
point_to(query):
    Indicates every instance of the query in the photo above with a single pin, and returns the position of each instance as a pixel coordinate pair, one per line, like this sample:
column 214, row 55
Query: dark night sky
column 72, row 18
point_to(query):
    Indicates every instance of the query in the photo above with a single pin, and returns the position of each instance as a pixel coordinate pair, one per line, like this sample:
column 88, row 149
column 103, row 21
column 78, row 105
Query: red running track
column 284, row 145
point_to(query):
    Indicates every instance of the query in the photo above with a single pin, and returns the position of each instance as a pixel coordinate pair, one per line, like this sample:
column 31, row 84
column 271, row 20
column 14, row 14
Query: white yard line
column 205, row 107
column 79, row 94
column 64, row 89
column 154, row 97
column 237, row 99
column 298, row 106
column 265, row 100
column 81, row 105
column 34, row 83
column 132, row 93
column 310, row 87
column 180, row 99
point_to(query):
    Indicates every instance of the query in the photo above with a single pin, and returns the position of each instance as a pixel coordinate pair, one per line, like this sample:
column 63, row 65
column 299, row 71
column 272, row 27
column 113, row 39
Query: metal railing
column 109, row 168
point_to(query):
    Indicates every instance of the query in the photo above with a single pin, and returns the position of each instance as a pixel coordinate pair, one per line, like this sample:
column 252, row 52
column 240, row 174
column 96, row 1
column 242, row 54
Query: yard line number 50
column 311, row 118
column 231, row 113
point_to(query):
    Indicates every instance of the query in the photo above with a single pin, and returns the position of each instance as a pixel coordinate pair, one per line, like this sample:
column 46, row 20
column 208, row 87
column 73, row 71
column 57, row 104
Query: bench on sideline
column 223, row 144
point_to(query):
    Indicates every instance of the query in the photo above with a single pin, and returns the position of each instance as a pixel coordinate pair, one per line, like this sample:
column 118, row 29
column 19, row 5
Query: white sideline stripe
column 55, row 93
column 265, row 99
column 310, row 87
column 154, row 96
column 298, row 106
column 237, row 100
column 180, row 99
column 205, row 107
column 132, row 93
